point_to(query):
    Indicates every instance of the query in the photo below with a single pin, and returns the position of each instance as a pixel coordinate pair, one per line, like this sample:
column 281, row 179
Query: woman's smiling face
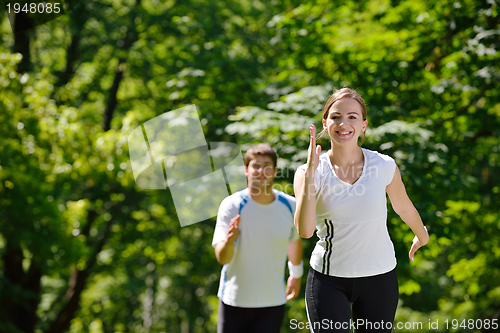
column 345, row 121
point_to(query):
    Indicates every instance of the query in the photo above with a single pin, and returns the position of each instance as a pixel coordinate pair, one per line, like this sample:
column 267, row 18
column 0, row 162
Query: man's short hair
column 261, row 149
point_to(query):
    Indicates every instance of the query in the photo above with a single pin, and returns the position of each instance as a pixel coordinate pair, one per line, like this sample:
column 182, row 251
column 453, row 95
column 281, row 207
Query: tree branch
column 77, row 283
column 112, row 99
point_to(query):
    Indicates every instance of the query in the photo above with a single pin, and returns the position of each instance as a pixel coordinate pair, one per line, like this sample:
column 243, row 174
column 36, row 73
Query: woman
column 342, row 194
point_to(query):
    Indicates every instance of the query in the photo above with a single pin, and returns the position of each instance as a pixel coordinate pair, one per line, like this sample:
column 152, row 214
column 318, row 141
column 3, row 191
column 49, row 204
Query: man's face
column 260, row 172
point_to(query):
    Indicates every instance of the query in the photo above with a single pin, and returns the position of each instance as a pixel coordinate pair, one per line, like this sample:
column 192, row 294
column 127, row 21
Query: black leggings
column 250, row 320
column 374, row 300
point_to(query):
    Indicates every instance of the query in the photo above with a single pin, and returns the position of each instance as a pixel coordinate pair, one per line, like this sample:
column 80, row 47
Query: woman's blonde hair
column 337, row 95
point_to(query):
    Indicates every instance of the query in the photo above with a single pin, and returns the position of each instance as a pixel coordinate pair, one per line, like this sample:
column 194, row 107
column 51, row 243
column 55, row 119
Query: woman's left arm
column 403, row 206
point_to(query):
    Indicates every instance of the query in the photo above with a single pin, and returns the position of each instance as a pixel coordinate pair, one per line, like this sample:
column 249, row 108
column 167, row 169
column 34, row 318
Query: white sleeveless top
column 351, row 220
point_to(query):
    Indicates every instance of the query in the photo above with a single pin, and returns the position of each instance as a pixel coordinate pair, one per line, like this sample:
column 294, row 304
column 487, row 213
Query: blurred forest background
column 83, row 249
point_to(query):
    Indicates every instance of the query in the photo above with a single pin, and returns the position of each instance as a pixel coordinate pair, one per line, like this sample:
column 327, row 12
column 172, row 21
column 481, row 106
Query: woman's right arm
column 305, row 193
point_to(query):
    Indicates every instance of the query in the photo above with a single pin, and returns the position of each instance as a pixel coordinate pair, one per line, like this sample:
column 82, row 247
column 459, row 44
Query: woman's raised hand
column 313, row 156
column 304, row 187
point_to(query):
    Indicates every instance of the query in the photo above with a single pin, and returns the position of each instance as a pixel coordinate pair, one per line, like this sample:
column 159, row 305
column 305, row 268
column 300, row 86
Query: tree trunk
column 22, row 40
column 20, row 308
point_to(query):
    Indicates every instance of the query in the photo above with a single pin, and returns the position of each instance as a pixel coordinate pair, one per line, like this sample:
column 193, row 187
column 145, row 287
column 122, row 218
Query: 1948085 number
column 38, row 8
column 473, row 324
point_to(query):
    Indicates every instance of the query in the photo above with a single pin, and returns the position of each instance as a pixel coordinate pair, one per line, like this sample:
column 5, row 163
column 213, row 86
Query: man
column 253, row 236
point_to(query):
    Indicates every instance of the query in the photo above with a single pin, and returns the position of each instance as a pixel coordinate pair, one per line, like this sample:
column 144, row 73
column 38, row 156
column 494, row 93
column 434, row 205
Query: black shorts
column 234, row 319
column 374, row 301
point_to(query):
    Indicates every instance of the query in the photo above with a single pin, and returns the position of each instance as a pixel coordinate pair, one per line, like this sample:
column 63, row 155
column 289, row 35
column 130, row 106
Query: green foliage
column 258, row 71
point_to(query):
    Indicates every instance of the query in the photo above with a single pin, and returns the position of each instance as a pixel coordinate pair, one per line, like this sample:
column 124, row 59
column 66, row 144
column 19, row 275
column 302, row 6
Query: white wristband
column 296, row 271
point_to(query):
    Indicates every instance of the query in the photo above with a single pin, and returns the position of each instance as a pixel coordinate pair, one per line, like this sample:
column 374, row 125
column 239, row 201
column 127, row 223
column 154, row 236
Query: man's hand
column 224, row 250
column 232, row 231
column 292, row 288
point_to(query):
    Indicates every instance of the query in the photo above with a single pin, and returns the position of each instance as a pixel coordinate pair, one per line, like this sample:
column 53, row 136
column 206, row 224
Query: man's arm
column 294, row 253
column 224, row 250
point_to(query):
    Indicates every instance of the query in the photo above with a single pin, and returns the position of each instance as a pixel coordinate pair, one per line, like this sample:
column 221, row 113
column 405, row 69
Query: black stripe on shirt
column 326, row 248
column 329, row 246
